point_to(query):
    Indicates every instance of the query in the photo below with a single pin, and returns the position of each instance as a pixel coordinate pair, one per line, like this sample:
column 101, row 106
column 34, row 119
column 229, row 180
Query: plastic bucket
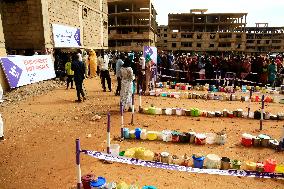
column 168, row 111
column 114, row 149
column 179, row 111
column 270, row 165
column 167, row 135
column 86, row 180
column 210, row 138
column 126, row 133
column 132, row 134
column 279, row 169
column 137, row 133
column 236, row 164
column 99, row 183
column 212, row 161
column 225, row 163
column 198, row 162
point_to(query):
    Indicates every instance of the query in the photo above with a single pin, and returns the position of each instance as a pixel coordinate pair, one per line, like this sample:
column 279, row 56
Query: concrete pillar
column 3, row 81
column 101, row 25
column 2, row 39
column 115, row 16
column 47, row 28
column 80, row 13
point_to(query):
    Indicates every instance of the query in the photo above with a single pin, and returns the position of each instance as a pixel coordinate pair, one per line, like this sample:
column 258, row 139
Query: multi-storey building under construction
column 217, row 32
column 132, row 24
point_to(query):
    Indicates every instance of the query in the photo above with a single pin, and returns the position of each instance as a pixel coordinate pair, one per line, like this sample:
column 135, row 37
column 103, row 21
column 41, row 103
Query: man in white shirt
column 104, row 62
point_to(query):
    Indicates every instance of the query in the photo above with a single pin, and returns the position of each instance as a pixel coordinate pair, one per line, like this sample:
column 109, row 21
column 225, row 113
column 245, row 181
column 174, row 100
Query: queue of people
column 133, row 71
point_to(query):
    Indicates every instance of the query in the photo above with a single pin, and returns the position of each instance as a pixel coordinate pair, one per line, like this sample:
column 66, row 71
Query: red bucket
column 86, row 180
column 247, row 142
column 183, row 87
column 270, row 165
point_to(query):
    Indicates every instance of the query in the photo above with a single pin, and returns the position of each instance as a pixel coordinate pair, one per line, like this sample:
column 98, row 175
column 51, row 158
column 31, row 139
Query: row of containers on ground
column 191, row 137
column 214, row 96
column 213, row 88
column 89, row 181
column 195, row 112
column 210, row 161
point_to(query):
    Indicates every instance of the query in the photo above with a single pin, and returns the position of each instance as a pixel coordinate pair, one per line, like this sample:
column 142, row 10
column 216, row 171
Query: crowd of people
column 134, row 71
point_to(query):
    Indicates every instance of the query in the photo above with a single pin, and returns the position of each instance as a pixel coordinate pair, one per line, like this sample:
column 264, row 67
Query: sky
column 264, row 11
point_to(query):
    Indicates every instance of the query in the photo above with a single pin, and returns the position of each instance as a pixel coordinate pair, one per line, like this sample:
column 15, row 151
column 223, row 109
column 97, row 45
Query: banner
column 23, row 70
column 66, row 36
column 152, row 164
column 150, row 55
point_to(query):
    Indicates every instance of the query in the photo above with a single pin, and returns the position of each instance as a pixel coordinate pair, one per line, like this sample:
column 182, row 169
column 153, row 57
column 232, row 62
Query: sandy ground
column 39, row 150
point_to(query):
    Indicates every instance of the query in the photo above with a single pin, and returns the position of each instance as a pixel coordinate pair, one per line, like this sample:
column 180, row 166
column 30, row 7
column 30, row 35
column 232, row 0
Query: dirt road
column 39, row 150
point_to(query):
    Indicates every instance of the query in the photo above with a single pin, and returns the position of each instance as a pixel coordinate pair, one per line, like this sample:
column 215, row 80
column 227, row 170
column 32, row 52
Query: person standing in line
column 70, row 73
column 79, row 75
column 272, row 72
column 126, row 84
column 104, row 66
column 119, row 64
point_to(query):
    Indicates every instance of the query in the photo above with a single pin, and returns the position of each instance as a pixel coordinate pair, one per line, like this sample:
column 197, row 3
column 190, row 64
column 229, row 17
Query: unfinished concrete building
column 198, row 31
column 132, row 24
column 262, row 39
column 28, row 24
column 162, row 38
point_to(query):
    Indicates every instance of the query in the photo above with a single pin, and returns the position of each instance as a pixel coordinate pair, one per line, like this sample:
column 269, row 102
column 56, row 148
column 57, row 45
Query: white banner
column 23, row 70
column 159, row 165
column 66, row 36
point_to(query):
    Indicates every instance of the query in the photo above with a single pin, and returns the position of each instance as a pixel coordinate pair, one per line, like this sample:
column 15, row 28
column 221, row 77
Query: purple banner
column 12, row 72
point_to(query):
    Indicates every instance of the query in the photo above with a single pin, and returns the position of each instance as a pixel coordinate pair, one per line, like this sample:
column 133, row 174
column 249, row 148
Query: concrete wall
column 93, row 25
column 22, row 24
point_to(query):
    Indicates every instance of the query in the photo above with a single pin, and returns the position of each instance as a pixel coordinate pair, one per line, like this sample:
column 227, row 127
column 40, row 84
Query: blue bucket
column 137, row 133
column 149, row 187
column 100, row 182
column 126, row 133
column 198, row 162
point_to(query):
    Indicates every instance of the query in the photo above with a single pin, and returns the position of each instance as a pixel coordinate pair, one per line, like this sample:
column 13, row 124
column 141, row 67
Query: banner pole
column 250, row 95
column 140, row 98
column 108, row 133
column 262, row 112
column 122, row 125
column 132, row 116
column 78, row 151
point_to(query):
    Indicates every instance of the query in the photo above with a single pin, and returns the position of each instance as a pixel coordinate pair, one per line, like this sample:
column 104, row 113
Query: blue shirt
column 119, row 64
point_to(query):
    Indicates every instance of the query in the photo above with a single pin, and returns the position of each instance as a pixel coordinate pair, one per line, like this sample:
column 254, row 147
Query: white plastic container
column 159, row 111
column 213, row 161
column 221, row 139
column 210, row 138
column 167, row 135
column 143, row 134
column 114, row 149
column 168, row 111
column 1, row 127
column 179, row 111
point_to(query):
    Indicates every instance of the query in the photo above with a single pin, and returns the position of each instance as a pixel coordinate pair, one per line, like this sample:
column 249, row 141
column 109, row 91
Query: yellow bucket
column 279, row 169
column 152, row 135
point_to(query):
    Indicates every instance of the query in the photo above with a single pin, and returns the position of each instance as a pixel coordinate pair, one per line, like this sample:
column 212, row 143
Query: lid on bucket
column 247, row 136
column 200, row 136
column 213, row 157
column 99, row 182
column 263, row 136
column 165, row 154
